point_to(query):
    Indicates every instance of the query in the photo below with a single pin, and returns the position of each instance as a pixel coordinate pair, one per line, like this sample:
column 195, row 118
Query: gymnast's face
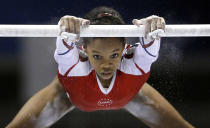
column 105, row 55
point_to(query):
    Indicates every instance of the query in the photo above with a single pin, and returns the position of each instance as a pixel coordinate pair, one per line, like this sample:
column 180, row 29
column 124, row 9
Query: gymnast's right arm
column 44, row 108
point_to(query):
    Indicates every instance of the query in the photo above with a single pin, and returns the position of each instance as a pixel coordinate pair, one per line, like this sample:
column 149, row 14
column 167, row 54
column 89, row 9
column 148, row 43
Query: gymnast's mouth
column 106, row 75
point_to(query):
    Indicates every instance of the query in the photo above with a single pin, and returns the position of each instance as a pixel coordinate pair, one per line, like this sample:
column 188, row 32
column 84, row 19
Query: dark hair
column 103, row 16
column 95, row 19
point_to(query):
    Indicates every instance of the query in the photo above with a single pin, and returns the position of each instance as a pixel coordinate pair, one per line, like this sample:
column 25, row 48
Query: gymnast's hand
column 69, row 27
column 154, row 26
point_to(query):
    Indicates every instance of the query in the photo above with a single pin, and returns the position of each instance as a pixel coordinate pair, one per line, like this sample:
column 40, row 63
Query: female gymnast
column 102, row 74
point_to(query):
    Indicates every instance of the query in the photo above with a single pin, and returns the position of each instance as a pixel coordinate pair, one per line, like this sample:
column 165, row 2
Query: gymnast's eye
column 97, row 57
column 115, row 55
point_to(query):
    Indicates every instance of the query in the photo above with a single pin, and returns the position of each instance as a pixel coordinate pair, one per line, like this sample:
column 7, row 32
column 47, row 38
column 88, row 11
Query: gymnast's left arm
column 147, row 51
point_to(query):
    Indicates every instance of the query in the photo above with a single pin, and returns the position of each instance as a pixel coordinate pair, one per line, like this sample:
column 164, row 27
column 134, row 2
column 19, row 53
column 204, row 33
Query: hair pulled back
column 103, row 16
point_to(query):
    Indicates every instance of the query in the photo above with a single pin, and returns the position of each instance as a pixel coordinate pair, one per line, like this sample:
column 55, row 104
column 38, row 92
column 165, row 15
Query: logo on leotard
column 104, row 102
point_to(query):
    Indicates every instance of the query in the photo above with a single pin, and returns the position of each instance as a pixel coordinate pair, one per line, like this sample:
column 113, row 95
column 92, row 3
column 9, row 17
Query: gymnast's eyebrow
column 94, row 51
column 116, row 50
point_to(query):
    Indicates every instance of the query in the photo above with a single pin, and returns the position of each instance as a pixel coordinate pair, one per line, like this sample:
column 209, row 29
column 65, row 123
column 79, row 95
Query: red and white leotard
column 85, row 90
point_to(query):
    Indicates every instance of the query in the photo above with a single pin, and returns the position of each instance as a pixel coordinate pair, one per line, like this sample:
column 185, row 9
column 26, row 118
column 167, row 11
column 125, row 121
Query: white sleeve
column 64, row 56
column 145, row 56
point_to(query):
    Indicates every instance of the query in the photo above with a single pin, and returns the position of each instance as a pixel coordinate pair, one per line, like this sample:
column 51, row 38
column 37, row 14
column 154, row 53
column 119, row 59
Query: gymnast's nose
column 107, row 65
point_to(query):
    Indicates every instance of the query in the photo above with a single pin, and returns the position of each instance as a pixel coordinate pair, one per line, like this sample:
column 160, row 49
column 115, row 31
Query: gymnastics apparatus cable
column 198, row 30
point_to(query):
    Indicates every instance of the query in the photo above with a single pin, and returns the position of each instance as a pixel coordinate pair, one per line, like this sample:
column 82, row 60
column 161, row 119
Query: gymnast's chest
column 87, row 94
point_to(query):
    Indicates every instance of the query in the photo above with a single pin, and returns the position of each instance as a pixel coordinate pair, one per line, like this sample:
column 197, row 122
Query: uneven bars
column 103, row 31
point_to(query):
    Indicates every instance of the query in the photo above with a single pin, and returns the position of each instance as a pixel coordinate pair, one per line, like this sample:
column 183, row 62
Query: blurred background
column 181, row 74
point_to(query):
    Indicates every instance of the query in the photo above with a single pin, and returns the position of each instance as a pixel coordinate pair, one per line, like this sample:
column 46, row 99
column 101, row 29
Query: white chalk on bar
column 103, row 31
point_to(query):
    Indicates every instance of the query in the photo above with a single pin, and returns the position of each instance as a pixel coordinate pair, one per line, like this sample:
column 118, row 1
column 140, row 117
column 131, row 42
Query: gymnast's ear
column 84, row 47
column 85, row 51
